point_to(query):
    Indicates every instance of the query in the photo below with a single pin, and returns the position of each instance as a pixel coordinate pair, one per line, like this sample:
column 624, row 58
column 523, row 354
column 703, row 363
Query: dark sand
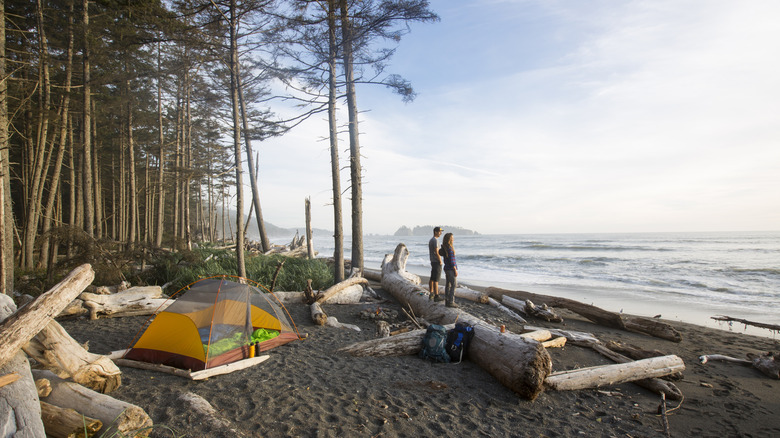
column 308, row 389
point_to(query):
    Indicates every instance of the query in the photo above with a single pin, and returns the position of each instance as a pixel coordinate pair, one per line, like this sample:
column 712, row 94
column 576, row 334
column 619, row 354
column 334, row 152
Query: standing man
column 433, row 250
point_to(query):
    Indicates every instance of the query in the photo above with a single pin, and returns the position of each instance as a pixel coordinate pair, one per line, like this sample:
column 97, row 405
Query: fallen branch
column 773, row 327
column 598, row 315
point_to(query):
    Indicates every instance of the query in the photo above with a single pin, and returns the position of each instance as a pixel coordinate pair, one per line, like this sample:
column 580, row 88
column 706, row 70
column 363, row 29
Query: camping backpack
column 434, row 343
column 458, row 340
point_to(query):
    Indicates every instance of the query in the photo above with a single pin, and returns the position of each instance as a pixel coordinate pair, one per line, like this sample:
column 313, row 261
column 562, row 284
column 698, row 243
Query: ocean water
column 683, row 276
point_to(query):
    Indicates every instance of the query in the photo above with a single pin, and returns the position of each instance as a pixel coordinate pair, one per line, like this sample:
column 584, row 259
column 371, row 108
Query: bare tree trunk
column 265, row 244
column 89, row 203
column 161, row 158
column 241, row 268
column 354, row 143
column 335, row 168
column 6, row 215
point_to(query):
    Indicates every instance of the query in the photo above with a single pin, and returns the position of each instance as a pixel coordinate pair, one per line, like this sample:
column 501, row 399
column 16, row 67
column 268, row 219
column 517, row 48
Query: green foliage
column 183, row 268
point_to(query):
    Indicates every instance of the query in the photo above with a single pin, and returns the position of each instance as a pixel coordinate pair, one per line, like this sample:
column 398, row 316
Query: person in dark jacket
column 450, row 270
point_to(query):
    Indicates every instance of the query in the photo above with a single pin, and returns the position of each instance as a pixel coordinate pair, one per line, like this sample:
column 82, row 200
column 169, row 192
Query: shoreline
column 623, row 301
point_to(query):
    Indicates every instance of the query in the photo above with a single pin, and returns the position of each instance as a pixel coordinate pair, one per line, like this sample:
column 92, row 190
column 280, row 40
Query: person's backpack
column 458, row 340
column 434, row 344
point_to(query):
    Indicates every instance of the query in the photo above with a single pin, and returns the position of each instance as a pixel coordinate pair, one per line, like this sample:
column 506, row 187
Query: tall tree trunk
column 335, row 168
column 265, row 244
column 6, row 215
column 89, row 200
column 161, row 157
column 40, row 155
column 187, row 195
column 133, row 204
column 354, row 143
column 241, row 265
column 55, row 191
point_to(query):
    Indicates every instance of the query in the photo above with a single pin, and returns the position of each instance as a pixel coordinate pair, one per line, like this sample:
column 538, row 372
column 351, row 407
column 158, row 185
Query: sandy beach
column 308, row 389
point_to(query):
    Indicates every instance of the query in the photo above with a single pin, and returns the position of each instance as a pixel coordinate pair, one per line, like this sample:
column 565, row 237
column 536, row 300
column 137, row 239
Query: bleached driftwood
column 141, row 300
column 187, row 374
column 558, row 342
column 537, row 335
column 107, row 290
column 317, row 314
column 20, row 411
column 207, row 414
column 67, row 423
column 116, row 415
column 334, row 322
column 373, row 275
column 518, row 363
column 662, row 387
column 55, row 350
column 649, row 326
column 570, row 335
column 595, row 377
column 290, row 297
column 403, row 344
column 493, row 303
column 338, row 288
column 769, row 363
column 471, row 295
column 530, row 309
column 19, row 328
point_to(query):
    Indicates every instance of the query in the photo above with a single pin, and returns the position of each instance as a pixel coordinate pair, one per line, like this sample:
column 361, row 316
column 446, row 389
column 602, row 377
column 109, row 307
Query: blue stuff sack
column 458, row 340
column 434, row 344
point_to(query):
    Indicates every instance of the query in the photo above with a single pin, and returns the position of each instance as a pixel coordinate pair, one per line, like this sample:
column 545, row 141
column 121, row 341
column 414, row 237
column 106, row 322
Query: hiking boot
column 438, row 298
column 453, row 305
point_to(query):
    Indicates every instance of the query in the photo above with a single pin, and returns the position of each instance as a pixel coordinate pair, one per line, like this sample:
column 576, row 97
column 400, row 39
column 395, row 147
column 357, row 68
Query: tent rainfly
column 214, row 323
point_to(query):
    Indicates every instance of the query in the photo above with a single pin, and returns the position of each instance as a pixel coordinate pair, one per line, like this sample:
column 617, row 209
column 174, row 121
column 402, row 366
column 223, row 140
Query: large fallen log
column 518, row 363
column 598, row 376
column 20, row 411
column 116, row 415
column 56, row 351
column 135, row 301
column 25, row 323
column 67, row 423
column 649, row 326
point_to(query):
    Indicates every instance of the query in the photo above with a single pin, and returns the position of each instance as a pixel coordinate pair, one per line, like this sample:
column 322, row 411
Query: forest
column 127, row 126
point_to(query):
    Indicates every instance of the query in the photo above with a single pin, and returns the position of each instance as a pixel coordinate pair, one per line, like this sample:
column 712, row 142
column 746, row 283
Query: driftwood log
column 187, row 374
column 56, row 351
column 341, row 287
column 531, row 309
column 135, row 301
column 511, row 313
column 67, row 423
column 317, row 314
column 20, row 411
column 116, row 415
column 728, row 319
column 662, row 387
column 595, row 377
column 25, row 323
column 403, row 344
column 518, row 363
column 649, row 326
column 470, row 294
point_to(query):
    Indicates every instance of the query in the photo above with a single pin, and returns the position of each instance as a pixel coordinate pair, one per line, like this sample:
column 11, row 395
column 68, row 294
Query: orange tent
column 213, row 324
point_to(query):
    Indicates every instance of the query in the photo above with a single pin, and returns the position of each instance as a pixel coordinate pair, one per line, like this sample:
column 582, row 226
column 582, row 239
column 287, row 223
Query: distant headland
column 427, row 230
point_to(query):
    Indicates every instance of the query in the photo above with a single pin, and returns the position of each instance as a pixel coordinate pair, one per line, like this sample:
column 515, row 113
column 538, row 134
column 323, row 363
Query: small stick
column 663, row 416
column 414, row 320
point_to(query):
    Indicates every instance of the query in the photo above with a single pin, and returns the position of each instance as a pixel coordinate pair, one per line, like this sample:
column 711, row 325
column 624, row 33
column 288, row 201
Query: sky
column 546, row 116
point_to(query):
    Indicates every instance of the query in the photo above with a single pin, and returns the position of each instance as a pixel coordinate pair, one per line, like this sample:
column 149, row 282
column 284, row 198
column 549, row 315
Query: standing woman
column 450, row 270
